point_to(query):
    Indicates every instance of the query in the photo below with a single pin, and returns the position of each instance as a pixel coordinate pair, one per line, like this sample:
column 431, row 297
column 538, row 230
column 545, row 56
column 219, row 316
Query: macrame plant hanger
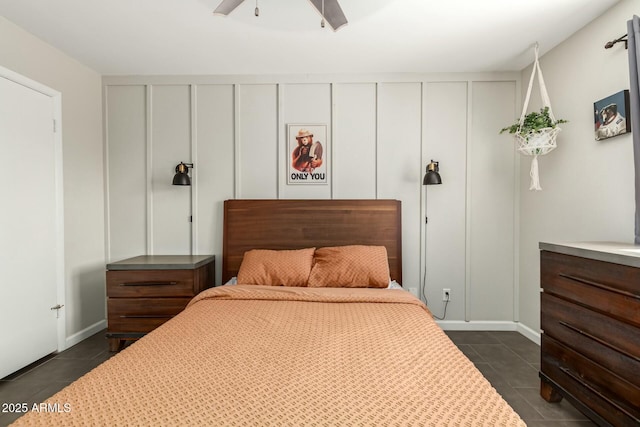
column 542, row 141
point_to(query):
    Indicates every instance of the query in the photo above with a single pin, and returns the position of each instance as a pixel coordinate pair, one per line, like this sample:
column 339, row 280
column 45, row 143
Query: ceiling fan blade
column 332, row 13
column 226, row 7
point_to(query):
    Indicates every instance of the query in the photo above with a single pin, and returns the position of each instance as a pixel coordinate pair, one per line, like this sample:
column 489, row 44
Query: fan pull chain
column 321, row 22
column 257, row 11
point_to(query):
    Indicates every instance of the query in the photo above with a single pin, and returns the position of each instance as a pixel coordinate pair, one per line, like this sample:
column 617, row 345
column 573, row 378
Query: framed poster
column 610, row 115
column 307, row 154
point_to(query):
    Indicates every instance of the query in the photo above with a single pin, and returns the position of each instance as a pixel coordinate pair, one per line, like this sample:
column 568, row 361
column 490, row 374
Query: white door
column 28, row 226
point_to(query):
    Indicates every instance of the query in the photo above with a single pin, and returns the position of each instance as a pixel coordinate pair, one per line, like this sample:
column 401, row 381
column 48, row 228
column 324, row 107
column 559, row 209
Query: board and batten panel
column 445, row 112
column 214, row 172
column 257, row 139
column 398, row 164
column 170, row 144
column 305, row 104
column 354, row 141
column 127, row 174
column 492, row 203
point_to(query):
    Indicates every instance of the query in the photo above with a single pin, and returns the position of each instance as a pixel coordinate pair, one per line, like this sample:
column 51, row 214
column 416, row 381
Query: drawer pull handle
column 592, row 389
column 598, row 340
column 149, row 284
column 599, row 285
column 146, row 316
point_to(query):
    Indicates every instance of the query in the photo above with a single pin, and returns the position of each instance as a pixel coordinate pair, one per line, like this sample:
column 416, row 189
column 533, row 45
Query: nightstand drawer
column 142, row 314
column 145, row 291
column 150, row 283
column 605, row 287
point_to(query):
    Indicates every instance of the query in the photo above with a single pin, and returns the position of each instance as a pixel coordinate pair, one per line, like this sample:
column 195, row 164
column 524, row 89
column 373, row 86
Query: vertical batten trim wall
column 379, row 105
column 149, row 167
column 236, row 141
column 105, row 154
column 469, row 190
column 377, row 138
column 281, row 141
column 193, row 196
column 234, row 160
column 331, row 130
column 516, row 216
column 422, row 265
column 333, row 156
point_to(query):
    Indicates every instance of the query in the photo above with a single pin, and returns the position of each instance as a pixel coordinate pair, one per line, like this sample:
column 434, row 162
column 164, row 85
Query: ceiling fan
column 330, row 11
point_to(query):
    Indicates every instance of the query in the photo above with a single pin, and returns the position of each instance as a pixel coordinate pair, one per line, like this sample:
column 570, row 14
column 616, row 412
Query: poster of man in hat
column 306, row 154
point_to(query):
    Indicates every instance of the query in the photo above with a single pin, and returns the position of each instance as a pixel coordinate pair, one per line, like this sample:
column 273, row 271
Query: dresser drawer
column 142, row 314
column 609, row 288
column 608, row 394
column 589, row 333
column 150, row 283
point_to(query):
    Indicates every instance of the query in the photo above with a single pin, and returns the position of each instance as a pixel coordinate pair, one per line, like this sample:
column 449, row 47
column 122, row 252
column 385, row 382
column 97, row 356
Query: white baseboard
column 477, row 325
column 532, row 334
column 84, row 334
column 488, row 325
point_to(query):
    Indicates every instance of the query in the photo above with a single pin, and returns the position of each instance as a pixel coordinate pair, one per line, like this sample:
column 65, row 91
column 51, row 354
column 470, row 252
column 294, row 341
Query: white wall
column 83, row 170
column 381, row 133
column 233, row 129
column 588, row 190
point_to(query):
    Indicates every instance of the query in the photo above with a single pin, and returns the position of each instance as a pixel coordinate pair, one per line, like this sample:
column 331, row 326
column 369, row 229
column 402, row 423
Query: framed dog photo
column 610, row 115
column 307, row 154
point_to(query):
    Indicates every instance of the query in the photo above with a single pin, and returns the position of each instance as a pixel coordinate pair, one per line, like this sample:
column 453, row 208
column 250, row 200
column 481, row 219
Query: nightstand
column 146, row 291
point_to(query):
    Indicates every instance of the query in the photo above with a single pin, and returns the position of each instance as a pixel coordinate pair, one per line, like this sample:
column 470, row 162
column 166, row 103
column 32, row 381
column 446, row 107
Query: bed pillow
column 276, row 268
column 354, row 266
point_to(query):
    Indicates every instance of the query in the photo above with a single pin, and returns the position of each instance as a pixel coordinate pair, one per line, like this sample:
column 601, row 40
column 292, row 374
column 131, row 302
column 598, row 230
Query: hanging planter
column 536, row 132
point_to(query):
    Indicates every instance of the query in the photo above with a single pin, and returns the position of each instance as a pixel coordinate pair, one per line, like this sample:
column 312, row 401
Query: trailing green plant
column 534, row 122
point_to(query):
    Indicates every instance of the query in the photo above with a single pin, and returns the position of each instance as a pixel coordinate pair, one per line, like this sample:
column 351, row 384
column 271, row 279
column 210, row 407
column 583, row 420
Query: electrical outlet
column 446, row 294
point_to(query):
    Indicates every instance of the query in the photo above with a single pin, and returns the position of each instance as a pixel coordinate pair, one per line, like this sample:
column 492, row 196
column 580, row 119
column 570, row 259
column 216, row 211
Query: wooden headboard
column 296, row 224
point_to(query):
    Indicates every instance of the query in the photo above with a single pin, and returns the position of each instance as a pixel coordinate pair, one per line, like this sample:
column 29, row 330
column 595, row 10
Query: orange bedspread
column 253, row 355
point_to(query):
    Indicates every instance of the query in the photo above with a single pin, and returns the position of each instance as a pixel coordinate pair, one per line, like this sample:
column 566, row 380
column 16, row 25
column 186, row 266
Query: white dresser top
column 615, row 252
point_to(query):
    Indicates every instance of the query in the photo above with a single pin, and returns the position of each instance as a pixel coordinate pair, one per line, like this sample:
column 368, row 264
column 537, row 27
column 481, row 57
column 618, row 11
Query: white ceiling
column 123, row 37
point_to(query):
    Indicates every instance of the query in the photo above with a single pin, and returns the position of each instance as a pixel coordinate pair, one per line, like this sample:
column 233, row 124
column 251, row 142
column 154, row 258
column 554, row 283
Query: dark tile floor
column 511, row 363
column 507, row 359
column 35, row 384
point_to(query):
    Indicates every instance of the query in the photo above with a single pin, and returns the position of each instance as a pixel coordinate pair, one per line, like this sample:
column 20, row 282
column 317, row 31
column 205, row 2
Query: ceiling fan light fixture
column 331, row 12
column 226, row 7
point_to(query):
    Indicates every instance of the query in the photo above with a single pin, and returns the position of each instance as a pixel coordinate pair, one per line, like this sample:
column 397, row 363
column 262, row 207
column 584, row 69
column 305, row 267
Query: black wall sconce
column 432, row 176
column 182, row 174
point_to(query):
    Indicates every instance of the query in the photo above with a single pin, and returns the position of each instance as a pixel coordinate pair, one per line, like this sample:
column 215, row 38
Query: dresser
column 590, row 318
column 146, row 291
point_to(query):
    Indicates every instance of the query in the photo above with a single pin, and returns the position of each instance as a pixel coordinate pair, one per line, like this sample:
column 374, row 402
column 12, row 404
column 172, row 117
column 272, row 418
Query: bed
column 259, row 354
